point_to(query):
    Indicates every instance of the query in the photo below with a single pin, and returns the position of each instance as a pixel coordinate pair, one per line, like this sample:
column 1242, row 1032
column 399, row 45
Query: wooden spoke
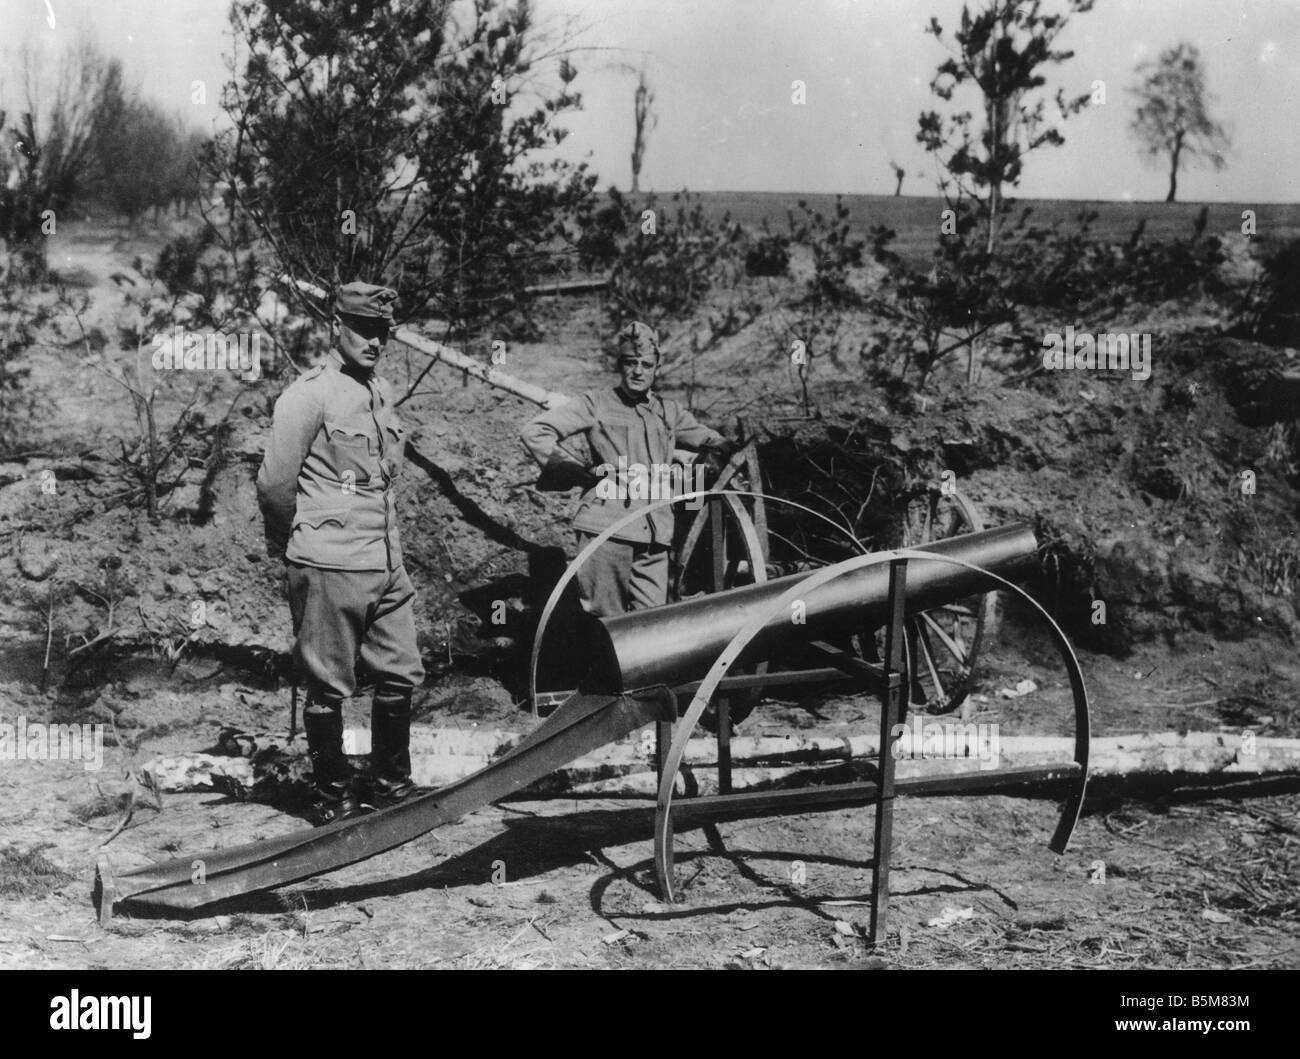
column 949, row 636
column 926, row 650
column 956, row 649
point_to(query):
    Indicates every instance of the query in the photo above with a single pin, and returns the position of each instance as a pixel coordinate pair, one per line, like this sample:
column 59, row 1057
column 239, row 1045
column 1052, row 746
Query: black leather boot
column 390, row 745
column 332, row 777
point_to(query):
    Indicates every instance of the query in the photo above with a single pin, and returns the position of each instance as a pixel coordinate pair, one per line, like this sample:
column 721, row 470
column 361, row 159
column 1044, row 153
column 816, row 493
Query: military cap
column 365, row 299
column 641, row 337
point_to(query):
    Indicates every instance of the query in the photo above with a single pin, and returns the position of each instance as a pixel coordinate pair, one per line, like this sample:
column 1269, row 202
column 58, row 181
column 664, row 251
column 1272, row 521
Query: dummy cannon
column 914, row 611
column 697, row 646
column 647, row 665
column 677, row 642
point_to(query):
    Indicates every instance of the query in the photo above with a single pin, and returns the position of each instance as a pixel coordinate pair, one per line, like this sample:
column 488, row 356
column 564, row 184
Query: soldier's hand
column 724, row 448
column 275, row 550
column 611, row 471
column 713, row 460
column 277, row 535
column 560, row 474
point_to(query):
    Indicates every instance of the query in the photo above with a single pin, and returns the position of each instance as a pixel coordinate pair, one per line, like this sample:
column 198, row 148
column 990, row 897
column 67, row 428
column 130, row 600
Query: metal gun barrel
column 678, row 642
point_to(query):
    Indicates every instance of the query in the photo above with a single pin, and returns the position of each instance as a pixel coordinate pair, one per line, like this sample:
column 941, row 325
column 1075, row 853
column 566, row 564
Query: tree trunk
column 993, row 217
column 641, row 121
column 151, row 486
column 1173, row 169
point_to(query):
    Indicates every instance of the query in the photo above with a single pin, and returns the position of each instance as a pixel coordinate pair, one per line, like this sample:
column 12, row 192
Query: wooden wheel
column 943, row 645
column 726, row 546
column 712, row 556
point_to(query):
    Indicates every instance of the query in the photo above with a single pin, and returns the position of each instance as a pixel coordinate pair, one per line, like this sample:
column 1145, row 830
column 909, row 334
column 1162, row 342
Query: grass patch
column 100, row 806
column 273, row 951
column 29, row 873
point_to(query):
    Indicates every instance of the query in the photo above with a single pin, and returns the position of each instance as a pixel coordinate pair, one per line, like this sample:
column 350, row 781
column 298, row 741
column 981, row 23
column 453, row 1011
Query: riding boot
column 331, row 774
column 390, row 745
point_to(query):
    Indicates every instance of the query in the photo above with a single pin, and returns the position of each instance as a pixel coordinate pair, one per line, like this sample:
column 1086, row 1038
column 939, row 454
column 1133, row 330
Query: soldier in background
column 628, row 425
column 326, row 488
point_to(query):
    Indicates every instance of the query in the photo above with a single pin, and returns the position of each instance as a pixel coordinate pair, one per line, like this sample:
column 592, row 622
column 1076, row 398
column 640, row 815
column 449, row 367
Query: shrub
column 1059, row 269
column 1270, row 311
column 23, row 408
column 835, row 250
column 769, row 255
column 664, row 273
column 931, row 316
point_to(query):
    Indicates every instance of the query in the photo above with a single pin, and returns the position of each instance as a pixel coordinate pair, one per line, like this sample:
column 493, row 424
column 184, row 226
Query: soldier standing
column 326, row 488
column 628, row 426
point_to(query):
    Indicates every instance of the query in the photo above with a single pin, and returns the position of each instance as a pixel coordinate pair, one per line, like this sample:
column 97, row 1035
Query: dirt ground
column 973, row 886
column 1173, row 879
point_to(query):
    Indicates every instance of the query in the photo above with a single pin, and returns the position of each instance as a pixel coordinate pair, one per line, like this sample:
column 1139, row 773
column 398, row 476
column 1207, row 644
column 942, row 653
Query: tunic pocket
column 320, row 516
column 350, row 450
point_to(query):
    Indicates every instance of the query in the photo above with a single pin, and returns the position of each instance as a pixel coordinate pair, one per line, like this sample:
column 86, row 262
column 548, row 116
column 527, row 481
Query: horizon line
column 940, row 198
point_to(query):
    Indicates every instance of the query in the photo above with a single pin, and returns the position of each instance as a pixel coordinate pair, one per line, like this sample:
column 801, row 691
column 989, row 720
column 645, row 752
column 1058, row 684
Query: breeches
column 340, row 616
column 623, row 576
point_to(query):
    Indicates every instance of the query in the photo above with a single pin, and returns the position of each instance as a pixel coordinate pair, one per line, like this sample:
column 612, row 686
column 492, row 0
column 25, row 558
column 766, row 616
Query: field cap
column 640, row 337
column 366, row 299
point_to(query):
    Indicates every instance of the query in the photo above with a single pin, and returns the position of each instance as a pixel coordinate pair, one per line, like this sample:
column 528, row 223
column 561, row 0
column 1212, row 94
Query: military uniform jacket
column 644, row 432
column 326, row 485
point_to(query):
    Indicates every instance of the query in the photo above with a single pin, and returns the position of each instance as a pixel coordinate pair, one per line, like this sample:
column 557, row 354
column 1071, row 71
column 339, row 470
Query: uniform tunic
column 630, row 571
column 641, row 432
column 328, row 496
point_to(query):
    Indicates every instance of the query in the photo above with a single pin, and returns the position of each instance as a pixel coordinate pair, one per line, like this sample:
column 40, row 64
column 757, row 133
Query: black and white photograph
column 651, row 485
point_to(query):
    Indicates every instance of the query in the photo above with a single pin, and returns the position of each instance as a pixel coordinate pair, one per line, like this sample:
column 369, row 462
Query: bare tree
column 47, row 144
column 646, row 121
column 145, row 159
column 186, row 182
column 1172, row 117
column 899, row 174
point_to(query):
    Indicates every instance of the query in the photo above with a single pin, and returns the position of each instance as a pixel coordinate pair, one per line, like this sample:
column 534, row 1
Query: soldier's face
column 361, row 339
column 637, row 371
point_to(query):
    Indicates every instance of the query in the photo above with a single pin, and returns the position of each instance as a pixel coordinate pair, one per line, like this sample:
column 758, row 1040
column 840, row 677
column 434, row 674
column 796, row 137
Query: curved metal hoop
column 747, row 529
column 755, row 553
column 663, row 804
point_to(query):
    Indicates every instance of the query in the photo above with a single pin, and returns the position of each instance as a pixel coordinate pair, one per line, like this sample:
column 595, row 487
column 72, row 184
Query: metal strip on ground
column 582, row 724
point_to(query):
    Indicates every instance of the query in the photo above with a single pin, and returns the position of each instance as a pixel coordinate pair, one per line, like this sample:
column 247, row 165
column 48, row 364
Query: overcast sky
column 722, row 72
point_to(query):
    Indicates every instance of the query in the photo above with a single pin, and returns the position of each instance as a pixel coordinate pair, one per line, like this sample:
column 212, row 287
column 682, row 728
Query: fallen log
column 267, row 763
column 561, row 287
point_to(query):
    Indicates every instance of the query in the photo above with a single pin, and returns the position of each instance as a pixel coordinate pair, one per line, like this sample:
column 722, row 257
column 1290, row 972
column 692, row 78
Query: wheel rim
column 943, row 645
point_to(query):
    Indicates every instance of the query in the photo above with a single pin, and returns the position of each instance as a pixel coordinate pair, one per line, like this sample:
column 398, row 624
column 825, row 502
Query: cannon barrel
column 678, row 642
